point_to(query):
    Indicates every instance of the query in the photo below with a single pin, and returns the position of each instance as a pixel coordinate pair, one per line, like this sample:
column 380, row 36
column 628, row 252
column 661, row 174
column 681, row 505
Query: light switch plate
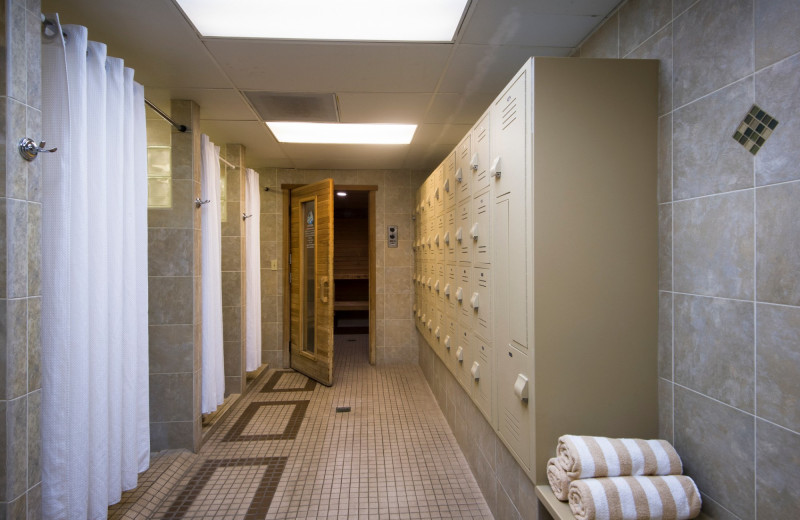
column 274, row 264
column 392, row 236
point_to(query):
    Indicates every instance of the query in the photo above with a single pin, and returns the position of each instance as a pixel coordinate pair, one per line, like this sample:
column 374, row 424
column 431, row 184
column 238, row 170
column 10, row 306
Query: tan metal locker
column 463, row 174
column 464, row 356
column 449, row 237
column 481, row 158
column 463, row 294
column 449, row 290
column 480, row 301
column 463, row 240
column 438, row 190
column 480, row 232
column 513, row 391
column 482, row 373
column 449, row 185
column 511, row 305
column 438, row 239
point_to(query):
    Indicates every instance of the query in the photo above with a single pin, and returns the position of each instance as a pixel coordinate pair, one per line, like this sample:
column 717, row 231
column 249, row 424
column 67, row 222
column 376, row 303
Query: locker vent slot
column 513, row 425
column 510, row 112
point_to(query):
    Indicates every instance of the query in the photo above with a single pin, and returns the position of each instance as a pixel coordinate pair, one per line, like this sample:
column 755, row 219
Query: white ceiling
column 443, row 88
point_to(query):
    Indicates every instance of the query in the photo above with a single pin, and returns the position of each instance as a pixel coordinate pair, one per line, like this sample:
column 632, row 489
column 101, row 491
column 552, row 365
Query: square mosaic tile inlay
column 283, row 452
column 755, row 129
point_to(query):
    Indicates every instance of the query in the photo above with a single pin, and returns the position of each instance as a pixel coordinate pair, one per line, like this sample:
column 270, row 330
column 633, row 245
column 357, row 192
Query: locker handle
column 429, row 241
column 418, row 313
column 460, row 354
column 430, row 324
column 436, row 193
column 473, row 163
column 436, row 333
column 447, row 185
column 476, row 370
column 429, row 200
column 436, row 239
column 459, row 294
column 475, row 300
column 429, row 282
column 495, row 170
column 414, row 307
column 424, row 316
column 473, row 232
column 447, row 290
column 459, row 175
column 458, row 234
column 521, row 388
column 447, row 342
column 436, row 286
column 447, row 238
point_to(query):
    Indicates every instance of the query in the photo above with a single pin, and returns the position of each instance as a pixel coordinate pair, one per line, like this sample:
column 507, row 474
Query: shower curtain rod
column 180, row 128
column 229, row 164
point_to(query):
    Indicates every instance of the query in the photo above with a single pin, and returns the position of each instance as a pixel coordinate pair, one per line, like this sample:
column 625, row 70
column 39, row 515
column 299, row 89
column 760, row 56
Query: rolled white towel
column 672, row 497
column 559, row 481
column 584, row 456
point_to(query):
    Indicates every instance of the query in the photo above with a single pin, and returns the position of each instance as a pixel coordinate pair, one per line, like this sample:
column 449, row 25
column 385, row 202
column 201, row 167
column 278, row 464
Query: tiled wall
column 233, row 276
column 395, row 334
column 729, row 290
column 175, row 297
column 20, row 262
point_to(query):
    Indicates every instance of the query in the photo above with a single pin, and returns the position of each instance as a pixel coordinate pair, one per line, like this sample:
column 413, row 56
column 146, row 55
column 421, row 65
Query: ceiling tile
column 487, row 69
column 433, row 135
column 330, row 67
column 459, row 109
column 382, row 107
column 261, row 148
column 150, row 35
column 345, row 157
column 425, row 157
column 224, row 104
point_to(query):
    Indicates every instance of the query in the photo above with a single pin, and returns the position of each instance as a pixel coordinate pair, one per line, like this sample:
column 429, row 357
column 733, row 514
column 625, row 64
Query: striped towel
column 673, row 497
column 587, row 457
column 559, row 481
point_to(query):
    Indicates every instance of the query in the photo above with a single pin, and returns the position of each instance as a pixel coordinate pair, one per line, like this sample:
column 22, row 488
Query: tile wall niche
column 729, row 287
column 395, row 334
column 20, row 264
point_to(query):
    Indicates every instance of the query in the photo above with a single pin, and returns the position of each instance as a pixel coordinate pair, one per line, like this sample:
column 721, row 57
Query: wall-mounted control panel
column 392, row 238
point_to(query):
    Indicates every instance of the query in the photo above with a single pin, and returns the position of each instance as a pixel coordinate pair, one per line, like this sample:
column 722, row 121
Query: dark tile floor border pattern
column 259, row 507
column 235, row 434
column 273, row 380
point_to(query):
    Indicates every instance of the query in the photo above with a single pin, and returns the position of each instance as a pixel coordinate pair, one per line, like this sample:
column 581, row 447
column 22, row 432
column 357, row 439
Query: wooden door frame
column 286, row 190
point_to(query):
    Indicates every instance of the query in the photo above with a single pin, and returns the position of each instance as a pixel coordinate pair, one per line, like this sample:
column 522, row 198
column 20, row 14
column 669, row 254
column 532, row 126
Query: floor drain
column 340, row 409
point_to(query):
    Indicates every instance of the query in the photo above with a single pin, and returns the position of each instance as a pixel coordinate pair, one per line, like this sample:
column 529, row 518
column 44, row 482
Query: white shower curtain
column 252, row 266
column 95, row 402
column 213, row 362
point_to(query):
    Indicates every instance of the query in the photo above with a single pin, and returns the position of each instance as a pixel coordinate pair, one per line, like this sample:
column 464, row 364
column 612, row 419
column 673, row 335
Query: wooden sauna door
column 311, row 281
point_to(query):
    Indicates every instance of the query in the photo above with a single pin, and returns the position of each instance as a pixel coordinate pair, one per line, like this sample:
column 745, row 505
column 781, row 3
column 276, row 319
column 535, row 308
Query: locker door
column 480, row 231
column 481, row 372
column 510, row 277
column 438, row 239
column 463, row 174
column 481, row 160
column 508, row 140
column 449, row 290
column 481, row 302
column 438, row 287
column 438, row 190
column 449, row 237
column 449, row 185
column 464, row 357
column 463, row 241
column 463, row 295
column 514, row 422
column 450, row 345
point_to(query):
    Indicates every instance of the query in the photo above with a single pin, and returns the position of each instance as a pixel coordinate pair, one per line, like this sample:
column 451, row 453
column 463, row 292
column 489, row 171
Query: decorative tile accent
column 755, row 129
column 278, row 382
column 224, row 487
column 242, row 430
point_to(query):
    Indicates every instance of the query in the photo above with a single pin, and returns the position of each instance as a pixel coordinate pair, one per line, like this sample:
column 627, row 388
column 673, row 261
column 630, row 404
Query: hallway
column 284, row 452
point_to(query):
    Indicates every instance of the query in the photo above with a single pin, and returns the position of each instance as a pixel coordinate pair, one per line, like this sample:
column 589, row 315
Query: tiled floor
column 284, row 452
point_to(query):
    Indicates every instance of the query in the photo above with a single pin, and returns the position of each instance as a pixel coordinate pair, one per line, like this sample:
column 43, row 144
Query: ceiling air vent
column 295, row 106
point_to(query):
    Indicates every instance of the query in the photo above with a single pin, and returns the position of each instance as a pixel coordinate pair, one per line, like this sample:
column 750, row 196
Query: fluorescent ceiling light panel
column 368, row 20
column 341, row 133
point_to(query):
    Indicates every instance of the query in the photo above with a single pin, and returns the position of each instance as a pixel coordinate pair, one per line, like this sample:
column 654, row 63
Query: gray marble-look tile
column 508, row 473
column 706, row 158
column 716, row 444
column 16, row 54
column 665, row 335
column 232, row 323
column 665, row 244
column 715, row 510
column 231, row 254
column 14, row 348
column 171, row 435
column 34, row 249
column 505, row 505
column 665, row 410
column 776, row 93
column 713, row 47
column 34, row 343
column 34, row 438
column 3, row 247
column 777, row 365
column 639, row 19
column 171, row 348
column 777, row 26
column 3, row 440
column 171, row 397
column 665, row 159
column 16, row 174
column 33, row 50
column 714, row 342
column 713, row 248
column 16, row 447
column 604, row 43
column 231, row 289
column 170, row 251
column 171, row 300
column 34, row 499
column 233, row 358
column 232, row 226
column 778, row 473
column 659, row 47
column 778, row 244
column 16, row 248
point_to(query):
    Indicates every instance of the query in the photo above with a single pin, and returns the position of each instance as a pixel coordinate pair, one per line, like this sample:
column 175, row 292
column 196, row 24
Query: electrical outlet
column 274, row 264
